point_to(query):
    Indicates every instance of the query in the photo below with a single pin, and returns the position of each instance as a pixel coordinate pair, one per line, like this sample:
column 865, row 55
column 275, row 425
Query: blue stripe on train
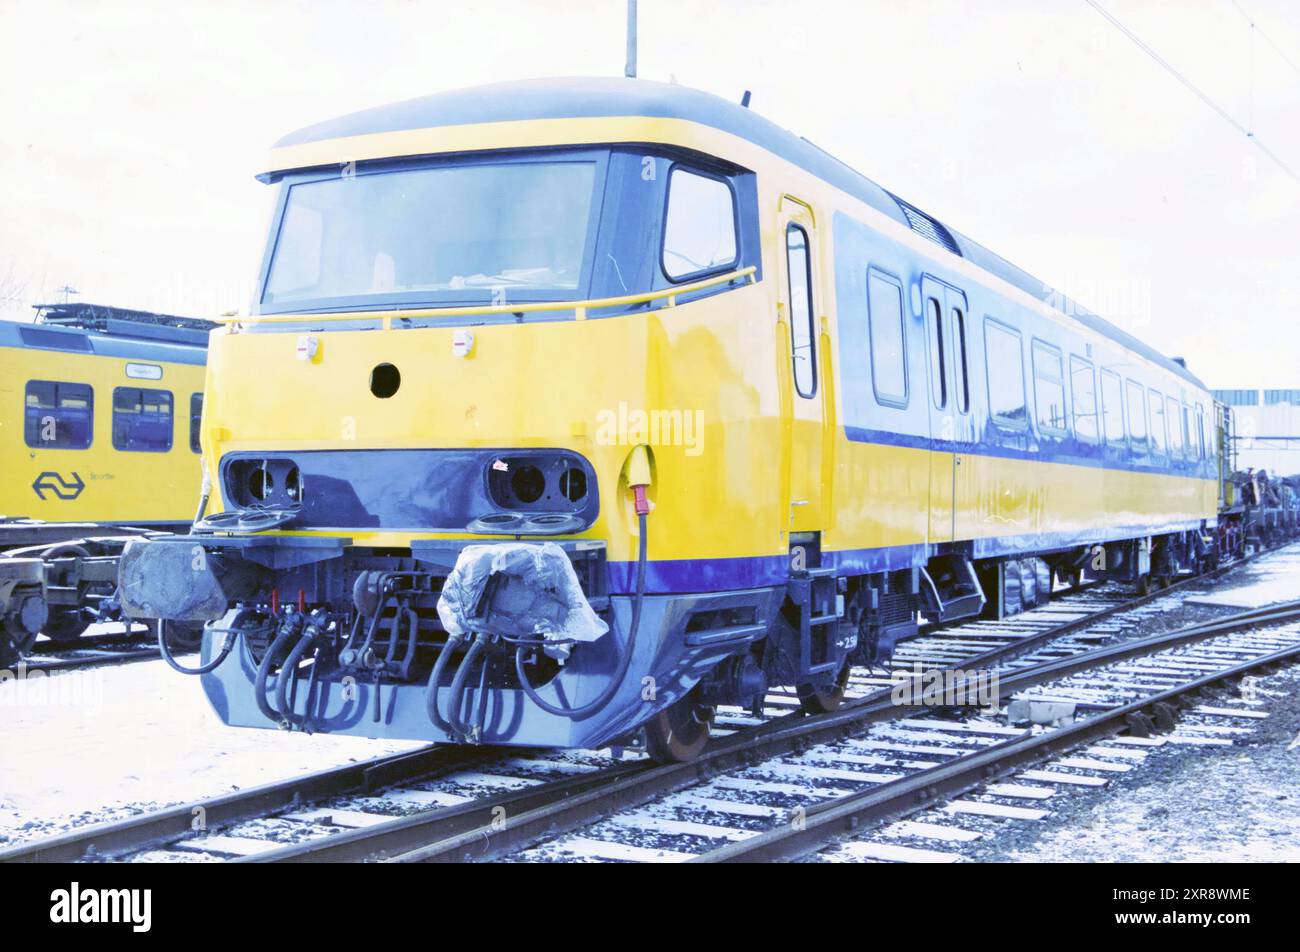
column 1047, row 451
column 682, row 576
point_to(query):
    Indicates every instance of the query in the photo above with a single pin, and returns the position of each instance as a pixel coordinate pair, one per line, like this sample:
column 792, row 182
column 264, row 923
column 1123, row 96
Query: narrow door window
column 802, row 335
column 961, row 385
column 938, row 369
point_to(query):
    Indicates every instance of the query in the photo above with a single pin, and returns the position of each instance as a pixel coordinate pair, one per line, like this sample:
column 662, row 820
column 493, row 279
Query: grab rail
column 579, row 308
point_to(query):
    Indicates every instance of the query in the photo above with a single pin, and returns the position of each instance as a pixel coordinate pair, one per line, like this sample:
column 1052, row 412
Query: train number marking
column 52, row 482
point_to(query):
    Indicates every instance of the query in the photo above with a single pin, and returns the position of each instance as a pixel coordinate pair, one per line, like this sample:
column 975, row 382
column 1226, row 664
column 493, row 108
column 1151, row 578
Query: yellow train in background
column 574, row 408
column 99, row 440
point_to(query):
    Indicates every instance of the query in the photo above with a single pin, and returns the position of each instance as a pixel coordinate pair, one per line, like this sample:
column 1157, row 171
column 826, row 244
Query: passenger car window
column 1174, row 416
column 1137, row 413
column 59, row 415
column 888, row 346
column 802, row 337
column 1005, row 366
column 142, row 420
column 700, row 226
column 1049, row 387
column 1157, row 423
column 1112, row 407
column 1083, row 394
column 196, row 421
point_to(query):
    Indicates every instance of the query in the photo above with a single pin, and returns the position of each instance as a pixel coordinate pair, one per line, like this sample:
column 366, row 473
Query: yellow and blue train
column 570, row 408
column 99, row 428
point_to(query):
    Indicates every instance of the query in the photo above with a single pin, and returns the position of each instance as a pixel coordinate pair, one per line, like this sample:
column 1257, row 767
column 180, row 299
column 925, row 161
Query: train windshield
column 494, row 231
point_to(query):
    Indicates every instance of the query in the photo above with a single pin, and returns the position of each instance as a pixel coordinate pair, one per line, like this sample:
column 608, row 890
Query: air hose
column 288, row 629
column 289, row 674
column 165, row 650
column 458, row 684
column 591, row 707
column 431, row 692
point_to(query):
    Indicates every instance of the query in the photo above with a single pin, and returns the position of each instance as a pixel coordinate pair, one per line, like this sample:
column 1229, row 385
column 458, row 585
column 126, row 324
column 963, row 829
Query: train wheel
column 13, row 645
column 65, row 625
column 826, row 699
column 679, row 732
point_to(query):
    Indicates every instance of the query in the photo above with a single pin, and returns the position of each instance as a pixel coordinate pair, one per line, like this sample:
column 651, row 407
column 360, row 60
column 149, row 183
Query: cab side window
column 142, row 420
column 59, row 415
column 699, row 227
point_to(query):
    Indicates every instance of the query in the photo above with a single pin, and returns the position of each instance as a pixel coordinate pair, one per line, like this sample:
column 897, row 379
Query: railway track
column 1013, row 772
column 117, row 639
column 88, row 651
column 783, row 792
column 396, row 807
column 92, row 651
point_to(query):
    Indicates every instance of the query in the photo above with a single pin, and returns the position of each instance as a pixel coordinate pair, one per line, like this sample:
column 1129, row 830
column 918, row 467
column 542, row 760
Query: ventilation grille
column 924, row 225
column 56, row 340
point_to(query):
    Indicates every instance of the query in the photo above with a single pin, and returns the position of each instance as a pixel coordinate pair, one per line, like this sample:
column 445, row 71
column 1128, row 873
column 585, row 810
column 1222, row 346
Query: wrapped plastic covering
column 518, row 589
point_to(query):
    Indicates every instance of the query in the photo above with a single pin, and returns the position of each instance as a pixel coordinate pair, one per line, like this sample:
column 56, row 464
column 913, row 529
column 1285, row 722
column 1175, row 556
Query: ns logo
column 52, row 483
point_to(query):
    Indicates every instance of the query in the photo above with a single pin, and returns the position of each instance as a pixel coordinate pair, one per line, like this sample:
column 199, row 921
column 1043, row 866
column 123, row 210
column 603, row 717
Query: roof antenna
column 630, row 69
column 744, row 100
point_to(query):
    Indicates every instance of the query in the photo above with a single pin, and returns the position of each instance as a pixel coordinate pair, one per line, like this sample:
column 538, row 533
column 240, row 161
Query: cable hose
column 289, row 675
column 165, row 650
column 458, row 684
column 264, row 672
column 431, row 692
column 615, row 682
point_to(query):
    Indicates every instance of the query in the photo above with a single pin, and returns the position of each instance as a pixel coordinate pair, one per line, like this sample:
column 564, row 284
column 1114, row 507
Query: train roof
column 112, row 338
column 126, row 322
column 616, row 96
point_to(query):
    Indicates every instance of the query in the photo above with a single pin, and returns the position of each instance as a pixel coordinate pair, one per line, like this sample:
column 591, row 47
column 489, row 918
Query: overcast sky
column 129, row 133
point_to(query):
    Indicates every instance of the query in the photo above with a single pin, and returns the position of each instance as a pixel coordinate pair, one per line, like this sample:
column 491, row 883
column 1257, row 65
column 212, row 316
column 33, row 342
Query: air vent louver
column 924, row 225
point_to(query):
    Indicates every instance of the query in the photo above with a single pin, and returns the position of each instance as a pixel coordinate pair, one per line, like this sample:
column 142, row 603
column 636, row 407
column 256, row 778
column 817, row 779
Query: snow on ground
column 90, row 745
column 1185, row 803
column 1272, row 578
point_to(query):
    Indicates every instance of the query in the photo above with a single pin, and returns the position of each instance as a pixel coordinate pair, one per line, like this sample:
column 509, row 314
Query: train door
column 948, row 400
column 802, row 399
column 965, row 473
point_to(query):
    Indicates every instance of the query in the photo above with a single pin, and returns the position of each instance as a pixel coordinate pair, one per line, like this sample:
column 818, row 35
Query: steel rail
column 93, row 661
column 1026, row 644
column 90, row 642
column 160, row 827
column 849, row 815
column 783, row 736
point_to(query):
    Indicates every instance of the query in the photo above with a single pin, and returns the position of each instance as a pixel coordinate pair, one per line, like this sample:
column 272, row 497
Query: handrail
column 580, row 308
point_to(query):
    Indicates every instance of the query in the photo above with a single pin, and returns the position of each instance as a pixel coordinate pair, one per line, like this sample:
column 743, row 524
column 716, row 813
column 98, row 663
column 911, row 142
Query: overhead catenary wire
column 1254, row 24
column 1195, row 90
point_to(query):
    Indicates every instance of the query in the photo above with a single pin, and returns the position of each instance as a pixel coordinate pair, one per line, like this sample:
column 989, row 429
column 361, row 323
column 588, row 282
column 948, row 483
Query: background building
column 1267, row 424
